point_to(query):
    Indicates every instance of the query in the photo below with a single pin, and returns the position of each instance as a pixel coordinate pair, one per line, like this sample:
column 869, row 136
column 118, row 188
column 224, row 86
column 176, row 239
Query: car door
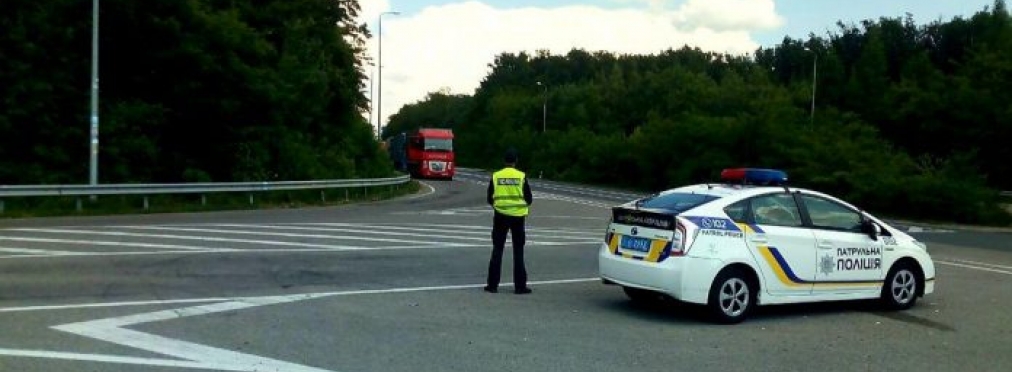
column 784, row 247
column 849, row 259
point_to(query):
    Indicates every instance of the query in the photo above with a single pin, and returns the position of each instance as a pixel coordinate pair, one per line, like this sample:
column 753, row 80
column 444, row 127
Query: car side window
column 829, row 214
column 777, row 210
column 737, row 211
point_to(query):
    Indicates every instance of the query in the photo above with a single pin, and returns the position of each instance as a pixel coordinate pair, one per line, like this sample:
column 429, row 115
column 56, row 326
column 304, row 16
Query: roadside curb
column 949, row 226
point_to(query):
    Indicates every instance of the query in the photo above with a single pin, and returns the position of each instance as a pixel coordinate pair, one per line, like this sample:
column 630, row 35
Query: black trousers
column 502, row 224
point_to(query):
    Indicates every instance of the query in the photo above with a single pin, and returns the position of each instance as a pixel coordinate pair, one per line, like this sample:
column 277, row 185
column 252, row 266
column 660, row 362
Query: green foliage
column 890, row 95
column 191, row 90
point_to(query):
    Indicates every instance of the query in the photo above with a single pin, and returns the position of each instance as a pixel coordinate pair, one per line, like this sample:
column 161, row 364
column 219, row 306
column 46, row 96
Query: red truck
column 424, row 153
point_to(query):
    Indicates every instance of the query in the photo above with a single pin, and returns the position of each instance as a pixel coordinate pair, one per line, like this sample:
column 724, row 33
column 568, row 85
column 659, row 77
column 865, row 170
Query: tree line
column 909, row 120
column 190, row 90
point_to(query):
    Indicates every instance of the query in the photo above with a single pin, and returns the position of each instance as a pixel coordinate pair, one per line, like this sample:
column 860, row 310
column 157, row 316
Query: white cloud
column 450, row 46
column 728, row 15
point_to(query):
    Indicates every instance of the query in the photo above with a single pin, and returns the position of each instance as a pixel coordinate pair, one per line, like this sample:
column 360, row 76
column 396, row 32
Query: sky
column 447, row 45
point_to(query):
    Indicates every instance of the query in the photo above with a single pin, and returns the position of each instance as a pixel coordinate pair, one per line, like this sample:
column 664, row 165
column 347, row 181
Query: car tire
column 899, row 292
column 732, row 297
column 641, row 296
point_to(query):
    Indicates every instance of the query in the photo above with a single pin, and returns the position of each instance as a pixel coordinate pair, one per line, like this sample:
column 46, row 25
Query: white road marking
column 111, row 304
column 968, row 262
column 974, row 267
column 287, row 235
column 291, row 297
column 570, row 199
column 530, row 243
column 112, row 244
column 33, row 251
column 373, row 229
column 111, row 330
column 81, row 357
column 195, row 355
column 482, row 230
column 431, row 191
column 186, row 237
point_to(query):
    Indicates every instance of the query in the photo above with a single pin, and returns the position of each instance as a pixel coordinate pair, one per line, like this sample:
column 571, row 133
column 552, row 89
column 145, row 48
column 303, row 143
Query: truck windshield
column 439, row 144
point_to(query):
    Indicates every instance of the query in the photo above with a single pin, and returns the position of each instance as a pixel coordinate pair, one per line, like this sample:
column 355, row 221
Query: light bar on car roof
column 754, row 176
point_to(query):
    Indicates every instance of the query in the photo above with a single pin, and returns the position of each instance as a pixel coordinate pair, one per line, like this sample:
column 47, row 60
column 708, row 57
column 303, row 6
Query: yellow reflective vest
column 508, row 192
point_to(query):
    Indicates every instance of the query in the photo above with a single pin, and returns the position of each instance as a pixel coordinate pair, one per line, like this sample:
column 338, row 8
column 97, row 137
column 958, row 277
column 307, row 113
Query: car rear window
column 676, row 202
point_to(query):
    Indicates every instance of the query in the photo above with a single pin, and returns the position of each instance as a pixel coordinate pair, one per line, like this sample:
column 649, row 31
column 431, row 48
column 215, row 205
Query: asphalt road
column 395, row 286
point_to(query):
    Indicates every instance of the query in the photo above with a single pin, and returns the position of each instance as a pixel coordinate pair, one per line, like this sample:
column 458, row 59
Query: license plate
column 437, row 166
column 633, row 243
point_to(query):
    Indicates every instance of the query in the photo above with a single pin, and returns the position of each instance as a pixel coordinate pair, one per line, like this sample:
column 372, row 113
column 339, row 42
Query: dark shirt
column 528, row 195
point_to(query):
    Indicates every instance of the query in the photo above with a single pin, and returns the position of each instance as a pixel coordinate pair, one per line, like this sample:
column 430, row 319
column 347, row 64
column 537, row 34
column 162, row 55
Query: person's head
column 510, row 158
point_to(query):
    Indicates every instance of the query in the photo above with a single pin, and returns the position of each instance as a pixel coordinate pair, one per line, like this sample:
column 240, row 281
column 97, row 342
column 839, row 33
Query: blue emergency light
column 754, row 176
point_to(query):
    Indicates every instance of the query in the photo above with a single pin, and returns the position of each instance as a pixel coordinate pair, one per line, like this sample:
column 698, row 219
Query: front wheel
column 731, row 297
column 900, row 289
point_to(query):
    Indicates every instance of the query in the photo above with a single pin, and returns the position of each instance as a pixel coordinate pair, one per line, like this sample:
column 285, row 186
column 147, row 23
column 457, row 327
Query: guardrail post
column 323, row 196
column 1, row 206
column 146, row 205
column 346, row 196
column 203, row 200
column 251, row 199
column 79, row 206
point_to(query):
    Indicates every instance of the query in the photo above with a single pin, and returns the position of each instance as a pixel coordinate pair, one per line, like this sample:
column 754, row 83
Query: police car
column 751, row 240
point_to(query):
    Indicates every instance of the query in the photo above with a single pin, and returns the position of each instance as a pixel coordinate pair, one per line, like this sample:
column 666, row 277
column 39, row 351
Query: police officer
column 510, row 196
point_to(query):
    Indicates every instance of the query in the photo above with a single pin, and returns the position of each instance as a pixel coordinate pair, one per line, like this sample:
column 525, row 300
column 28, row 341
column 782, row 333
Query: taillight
column 678, row 241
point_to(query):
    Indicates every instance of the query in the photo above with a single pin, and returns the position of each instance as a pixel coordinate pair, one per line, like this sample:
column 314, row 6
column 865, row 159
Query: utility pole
column 379, row 94
column 93, row 165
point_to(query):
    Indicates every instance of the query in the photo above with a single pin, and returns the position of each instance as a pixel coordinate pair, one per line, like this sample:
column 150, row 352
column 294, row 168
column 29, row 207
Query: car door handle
column 825, row 245
column 760, row 239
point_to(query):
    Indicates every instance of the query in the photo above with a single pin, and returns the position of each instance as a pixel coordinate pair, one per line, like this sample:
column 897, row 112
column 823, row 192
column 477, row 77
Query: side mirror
column 871, row 228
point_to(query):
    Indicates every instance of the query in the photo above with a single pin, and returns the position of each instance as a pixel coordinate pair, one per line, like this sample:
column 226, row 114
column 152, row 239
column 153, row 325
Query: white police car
column 752, row 241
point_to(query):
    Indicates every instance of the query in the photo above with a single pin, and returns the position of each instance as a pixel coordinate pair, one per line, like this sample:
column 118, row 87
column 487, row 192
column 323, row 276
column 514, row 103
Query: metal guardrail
column 1006, row 193
column 190, row 188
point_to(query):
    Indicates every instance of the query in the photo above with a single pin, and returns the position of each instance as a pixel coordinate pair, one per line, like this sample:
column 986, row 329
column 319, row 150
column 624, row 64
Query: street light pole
column 544, row 107
column 815, row 79
column 372, row 95
column 379, row 94
column 93, row 165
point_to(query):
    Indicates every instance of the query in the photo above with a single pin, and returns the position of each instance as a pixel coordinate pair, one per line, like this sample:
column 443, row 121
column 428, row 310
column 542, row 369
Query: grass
column 26, row 207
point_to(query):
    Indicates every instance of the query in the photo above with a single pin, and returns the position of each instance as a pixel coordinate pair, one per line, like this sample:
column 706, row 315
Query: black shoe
column 490, row 289
column 523, row 291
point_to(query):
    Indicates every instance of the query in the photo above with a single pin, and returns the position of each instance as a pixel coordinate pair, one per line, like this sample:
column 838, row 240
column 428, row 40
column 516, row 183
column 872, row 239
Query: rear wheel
column 732, row 297
column 901, row 286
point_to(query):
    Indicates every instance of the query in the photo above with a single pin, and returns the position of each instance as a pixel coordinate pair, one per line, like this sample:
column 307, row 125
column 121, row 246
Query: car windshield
column 439, row 144
column 676, row 202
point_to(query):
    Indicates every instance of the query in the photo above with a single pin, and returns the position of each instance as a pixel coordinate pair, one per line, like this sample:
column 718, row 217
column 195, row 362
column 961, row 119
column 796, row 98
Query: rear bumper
column 683, row 278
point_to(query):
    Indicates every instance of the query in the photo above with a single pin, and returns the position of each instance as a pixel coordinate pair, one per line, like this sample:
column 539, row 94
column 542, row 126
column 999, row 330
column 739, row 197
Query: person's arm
column 528, row 195
column 488, row 193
